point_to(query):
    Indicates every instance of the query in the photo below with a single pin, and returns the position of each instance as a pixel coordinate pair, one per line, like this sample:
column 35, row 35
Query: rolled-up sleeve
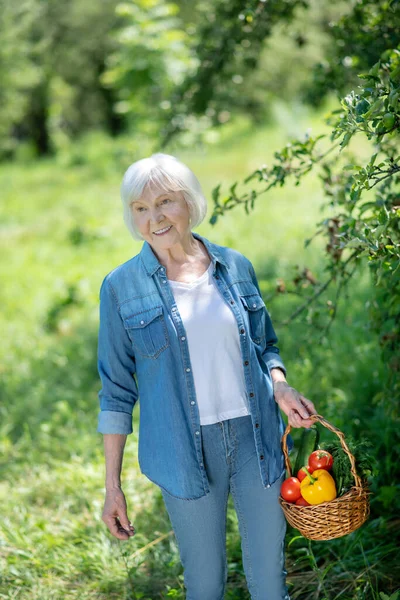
column 271, row 354
column 116, row 366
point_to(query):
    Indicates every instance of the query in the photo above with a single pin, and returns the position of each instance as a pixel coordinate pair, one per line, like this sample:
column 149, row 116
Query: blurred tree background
column 285, row 109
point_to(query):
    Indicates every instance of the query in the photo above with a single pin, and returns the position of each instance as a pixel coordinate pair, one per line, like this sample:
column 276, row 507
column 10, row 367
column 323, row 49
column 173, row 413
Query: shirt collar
column 151, row 263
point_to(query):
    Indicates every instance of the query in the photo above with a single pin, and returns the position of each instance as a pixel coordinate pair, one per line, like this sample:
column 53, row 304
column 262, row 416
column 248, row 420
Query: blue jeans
column 199, row 525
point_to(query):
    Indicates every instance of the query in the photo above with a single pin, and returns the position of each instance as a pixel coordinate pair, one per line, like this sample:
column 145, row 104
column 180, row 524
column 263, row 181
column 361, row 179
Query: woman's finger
column 302, row 411
column 309, row 405
column 294, row 418
column 299, row 418
column 312, row 409
column 126, row 524
column 115, row 528
column 123, row 519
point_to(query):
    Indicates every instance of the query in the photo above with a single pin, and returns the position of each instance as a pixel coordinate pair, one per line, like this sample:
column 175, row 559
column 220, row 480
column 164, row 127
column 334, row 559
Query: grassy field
column 61, row 232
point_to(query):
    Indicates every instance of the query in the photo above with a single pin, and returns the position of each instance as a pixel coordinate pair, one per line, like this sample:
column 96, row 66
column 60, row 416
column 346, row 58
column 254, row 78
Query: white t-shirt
column 214, row 349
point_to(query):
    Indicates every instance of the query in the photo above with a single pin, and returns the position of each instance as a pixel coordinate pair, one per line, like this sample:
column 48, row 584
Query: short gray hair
column 169, row 174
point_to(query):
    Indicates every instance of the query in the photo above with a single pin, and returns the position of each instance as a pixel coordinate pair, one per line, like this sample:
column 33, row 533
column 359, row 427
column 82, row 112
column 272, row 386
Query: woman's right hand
column 115, row 514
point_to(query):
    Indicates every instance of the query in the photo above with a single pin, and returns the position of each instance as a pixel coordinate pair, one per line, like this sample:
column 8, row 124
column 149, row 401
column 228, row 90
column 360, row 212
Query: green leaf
column 297, row 537
column 380, row 230
column 366, row 206
column 372, row 161
column 379, row 274
column 395, row 75
column 375, row 107
column 383, row 215
column 397, row 267
column 351, row 167
column 362, row 106
column 354, row 243
column 375, row 69
column 346, row 139
column 215, row 193
column 394, row 98
column 355, row 194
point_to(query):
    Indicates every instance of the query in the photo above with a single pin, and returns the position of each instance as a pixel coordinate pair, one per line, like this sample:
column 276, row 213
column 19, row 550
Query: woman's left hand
column 296, row 407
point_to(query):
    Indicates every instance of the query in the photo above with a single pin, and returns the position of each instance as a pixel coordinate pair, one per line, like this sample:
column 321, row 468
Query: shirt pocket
column 147, row 331
column 255, row 309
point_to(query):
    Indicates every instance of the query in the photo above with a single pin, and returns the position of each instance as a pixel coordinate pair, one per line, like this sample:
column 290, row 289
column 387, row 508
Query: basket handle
column 332, row 428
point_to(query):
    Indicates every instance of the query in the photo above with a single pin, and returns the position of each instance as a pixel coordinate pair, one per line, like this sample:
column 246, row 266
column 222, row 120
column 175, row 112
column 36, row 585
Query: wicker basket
column 331, row 519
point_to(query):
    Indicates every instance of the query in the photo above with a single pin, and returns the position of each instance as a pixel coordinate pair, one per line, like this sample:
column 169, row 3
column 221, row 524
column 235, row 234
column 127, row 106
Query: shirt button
column 188, row 370
column 174, row 308
column 254, row 305
column 217, row 277
column 246, row 362
column 257, row 425
column 142, row 322
column 251, row 394
column 183, row 338
column 193, row 402
column 242, row 331
column 201, row 464
column 232, row 302
column 262, row 456
column 164, row 281
column 197, row 432
column 268, row 486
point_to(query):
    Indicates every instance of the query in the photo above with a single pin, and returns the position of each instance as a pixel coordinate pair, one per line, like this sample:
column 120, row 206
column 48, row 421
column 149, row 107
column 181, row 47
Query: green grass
column 61, row 232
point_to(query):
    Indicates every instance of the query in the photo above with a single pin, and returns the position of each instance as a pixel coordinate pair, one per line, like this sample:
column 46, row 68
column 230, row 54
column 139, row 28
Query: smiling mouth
column 163, row 231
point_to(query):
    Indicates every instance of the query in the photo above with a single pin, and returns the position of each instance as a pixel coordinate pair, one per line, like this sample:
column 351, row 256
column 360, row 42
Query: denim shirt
column 143, row 355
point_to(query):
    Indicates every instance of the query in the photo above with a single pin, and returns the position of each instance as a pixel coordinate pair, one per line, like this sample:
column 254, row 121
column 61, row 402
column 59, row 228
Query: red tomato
column 301, row 473
column 290, row 489
column 302, row 502
column 320, row 459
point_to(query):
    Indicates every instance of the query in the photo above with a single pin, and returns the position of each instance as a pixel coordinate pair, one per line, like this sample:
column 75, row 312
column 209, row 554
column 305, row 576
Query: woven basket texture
column 332, row 519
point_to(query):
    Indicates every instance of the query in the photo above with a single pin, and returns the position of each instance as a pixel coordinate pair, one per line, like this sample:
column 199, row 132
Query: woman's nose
column 157, row 216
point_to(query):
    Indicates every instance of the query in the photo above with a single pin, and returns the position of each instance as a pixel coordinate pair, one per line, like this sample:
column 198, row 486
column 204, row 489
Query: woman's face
column 157, row 210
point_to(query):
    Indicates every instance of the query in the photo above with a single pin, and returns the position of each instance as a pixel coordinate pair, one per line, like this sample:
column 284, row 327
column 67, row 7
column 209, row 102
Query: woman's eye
column 141, row 208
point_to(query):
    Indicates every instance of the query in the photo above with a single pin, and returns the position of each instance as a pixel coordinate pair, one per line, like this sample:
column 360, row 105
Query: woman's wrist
column 112, row 485
column 278, row 375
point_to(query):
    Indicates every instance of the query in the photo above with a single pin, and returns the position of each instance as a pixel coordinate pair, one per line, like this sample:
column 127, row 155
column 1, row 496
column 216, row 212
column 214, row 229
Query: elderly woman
column 183, row 327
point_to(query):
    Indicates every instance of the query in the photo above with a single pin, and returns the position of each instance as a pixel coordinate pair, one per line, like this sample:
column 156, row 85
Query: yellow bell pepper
column 318, row 487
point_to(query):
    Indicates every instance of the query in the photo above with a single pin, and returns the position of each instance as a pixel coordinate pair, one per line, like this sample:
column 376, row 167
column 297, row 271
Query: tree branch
column 318, row 292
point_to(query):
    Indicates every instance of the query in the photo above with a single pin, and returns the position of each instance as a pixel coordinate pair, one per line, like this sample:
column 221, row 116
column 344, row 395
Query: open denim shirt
column 143, row 353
